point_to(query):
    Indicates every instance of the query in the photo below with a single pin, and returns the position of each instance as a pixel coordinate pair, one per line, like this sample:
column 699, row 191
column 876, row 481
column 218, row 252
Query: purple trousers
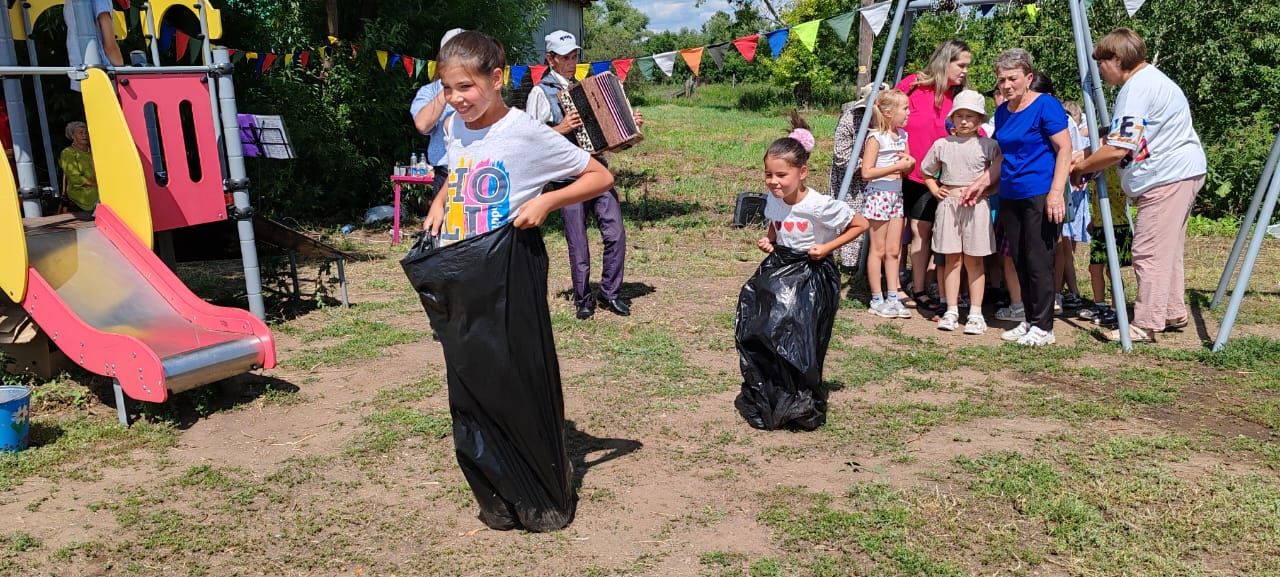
column 609, row 218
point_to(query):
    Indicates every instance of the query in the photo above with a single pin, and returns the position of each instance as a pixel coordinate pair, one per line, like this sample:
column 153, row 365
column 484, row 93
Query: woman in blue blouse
column 1032, row 131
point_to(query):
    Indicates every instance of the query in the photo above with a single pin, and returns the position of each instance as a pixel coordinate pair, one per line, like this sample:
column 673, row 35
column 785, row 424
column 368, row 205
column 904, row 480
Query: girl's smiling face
column 782, row 177
column 476, row 98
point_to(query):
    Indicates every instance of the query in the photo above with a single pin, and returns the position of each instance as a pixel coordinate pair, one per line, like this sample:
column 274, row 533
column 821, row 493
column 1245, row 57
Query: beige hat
column 863, row 93
column 970, row 100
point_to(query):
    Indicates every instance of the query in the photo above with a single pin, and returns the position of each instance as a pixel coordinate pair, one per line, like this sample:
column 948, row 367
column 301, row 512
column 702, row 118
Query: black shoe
column 616, row 306
column 585, row 311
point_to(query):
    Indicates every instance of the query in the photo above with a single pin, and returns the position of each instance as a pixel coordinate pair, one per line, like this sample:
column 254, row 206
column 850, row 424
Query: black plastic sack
column 785, row 313
column 486, row 298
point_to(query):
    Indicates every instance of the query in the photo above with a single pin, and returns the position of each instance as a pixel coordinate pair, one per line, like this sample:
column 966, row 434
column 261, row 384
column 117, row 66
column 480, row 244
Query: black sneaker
column 585, row 312
column 1072, row 302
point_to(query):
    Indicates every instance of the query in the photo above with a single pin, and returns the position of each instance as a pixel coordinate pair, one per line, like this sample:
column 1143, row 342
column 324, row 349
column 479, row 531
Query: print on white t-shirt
column 816, row 219
column 1153, row 121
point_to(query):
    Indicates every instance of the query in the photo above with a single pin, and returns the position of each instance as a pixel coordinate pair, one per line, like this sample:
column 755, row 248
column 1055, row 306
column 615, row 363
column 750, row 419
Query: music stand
column 264, row 136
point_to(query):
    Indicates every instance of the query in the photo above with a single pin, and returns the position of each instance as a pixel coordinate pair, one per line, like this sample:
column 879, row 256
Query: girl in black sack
column 485, row 290
column 786, row 310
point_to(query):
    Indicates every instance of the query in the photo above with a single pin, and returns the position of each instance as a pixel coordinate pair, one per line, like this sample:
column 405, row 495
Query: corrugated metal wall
column 563, row 15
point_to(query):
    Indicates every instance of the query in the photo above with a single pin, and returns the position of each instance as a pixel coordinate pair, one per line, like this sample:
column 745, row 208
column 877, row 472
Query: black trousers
column 1032, row 236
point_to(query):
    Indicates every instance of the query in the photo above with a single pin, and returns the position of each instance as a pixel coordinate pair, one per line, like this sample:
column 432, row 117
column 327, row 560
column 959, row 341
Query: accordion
column 607, row 121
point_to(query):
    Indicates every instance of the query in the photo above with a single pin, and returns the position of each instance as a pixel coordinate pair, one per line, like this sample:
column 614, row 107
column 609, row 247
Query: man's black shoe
column 585, row 312
column 617, row 306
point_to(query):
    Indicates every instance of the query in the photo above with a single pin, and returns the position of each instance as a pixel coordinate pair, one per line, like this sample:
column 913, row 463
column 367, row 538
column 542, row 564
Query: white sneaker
column 976, row 325
column 1015, row 334
column 1012, row 313
column 899, row 309
column 949, row 321
column 1037, row 337
column 882, row 309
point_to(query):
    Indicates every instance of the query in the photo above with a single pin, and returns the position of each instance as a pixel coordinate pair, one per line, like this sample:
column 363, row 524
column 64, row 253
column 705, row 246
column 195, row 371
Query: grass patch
column 79, row 447
column 358, row 338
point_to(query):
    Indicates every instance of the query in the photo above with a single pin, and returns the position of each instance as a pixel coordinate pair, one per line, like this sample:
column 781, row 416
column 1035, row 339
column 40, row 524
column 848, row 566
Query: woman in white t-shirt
column 1162, row 168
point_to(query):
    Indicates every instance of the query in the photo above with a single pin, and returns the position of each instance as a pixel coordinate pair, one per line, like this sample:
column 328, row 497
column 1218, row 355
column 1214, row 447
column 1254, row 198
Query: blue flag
column 167, row 35
column 601, row 66
column 517, row 74
column 777, row 39
column 395, row 59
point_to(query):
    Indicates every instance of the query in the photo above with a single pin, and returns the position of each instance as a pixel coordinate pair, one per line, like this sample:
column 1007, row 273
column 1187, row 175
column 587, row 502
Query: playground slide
column 114, row 308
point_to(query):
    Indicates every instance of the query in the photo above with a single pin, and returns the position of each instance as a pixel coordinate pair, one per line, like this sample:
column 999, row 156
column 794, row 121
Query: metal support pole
column 1242, row 283
column 1093, row 106
column 149, row 32
column 238, row 183
column 206, row 51
column 51, row 162
column 28, row 190
column 881, row 70
column 1268, row 171
column 122, row 411
column 342, row 282
column 293, row 275
column 903, row 46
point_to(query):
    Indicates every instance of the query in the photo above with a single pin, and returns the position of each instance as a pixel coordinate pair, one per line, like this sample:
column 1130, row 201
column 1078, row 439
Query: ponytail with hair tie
column 804, row 137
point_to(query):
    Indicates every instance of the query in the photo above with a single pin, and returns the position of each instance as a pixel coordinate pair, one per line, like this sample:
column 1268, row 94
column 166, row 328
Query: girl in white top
column 885, row 153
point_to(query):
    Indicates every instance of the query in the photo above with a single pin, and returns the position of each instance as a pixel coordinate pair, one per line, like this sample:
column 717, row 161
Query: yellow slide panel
column 159, row 7
column 13, row 258
column 39, row 7
column 121, row 182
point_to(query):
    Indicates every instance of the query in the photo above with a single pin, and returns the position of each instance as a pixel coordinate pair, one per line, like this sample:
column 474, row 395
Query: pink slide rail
column 138, row 360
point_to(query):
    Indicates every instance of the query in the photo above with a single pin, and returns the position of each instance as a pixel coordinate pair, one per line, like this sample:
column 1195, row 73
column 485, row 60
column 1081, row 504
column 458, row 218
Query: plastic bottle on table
column 413, row 164
column 422, row 166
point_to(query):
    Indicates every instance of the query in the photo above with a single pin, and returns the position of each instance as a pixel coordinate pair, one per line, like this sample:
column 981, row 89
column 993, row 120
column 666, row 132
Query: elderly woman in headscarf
column 80, row 183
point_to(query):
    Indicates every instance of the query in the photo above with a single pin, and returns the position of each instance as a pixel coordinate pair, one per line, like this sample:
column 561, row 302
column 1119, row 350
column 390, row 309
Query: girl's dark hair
column 1041, row 83
column 790, row 148
column 477, row 51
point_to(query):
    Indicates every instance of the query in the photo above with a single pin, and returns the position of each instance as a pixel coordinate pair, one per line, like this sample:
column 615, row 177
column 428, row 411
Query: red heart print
column 788, row 225
column 803, row 225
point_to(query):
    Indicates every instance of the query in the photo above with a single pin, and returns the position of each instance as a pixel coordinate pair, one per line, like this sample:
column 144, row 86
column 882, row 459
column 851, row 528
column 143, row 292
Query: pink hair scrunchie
column 804, row 137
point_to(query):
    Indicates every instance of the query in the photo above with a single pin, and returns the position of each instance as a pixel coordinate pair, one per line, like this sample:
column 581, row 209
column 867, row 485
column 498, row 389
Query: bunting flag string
column 777, row 39
column 842, row 24
column 418, row 65
column 518, row 73
column 431, row 69
column 747, row 46
column 717, row 53
column 646, row 65
column 393, row 61
column 876, row 15
column 182, row 42
column 666, row 62
column 808, row 33
column 1132, row 6
column 288, row 60
column 581, row 71
column 537, row 71
column 692, row 57
column 408, row 65
column 382, row 58
column 268, row 59
column 622, row 66
column 304, row 58
column 600, row 66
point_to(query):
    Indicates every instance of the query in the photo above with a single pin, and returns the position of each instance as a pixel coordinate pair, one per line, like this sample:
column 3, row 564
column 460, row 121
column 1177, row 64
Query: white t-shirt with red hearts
column 816, row 219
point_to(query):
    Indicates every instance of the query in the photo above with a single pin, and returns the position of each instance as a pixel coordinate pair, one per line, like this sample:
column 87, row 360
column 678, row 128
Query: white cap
column 561, row 42
column 449, row 36
column 970, row 100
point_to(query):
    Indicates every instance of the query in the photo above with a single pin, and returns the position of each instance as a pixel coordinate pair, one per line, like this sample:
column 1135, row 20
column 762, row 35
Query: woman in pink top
column 931, row 92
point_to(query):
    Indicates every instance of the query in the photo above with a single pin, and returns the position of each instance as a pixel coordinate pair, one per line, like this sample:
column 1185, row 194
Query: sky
column 676, row 14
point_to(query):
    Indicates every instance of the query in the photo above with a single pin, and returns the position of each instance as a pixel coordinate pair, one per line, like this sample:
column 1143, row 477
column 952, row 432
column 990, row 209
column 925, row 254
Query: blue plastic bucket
column 15, row 417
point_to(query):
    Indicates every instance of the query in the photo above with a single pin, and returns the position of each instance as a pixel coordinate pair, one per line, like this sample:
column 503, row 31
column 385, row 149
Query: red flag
column 355, row 50
column 183, row 39
column 268, row 60
column 408, row 65
column 537, row 70
column 747, row 46
column 304, row 58
column 231, row 51
column 123, row 4
column 622, row 65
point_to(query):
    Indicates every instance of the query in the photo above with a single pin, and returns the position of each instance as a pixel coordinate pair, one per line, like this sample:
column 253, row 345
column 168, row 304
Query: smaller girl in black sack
column 786, row 310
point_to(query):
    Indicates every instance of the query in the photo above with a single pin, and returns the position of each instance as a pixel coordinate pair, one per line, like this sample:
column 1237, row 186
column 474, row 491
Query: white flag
column 876, row 14
column 1133, row 5
column 666, row 61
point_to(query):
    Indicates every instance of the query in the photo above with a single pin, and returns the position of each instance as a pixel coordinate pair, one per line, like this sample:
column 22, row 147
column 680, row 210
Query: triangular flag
column 257, row 67
column 876, row 14
column 581, row 71
column 408, row 65
column 431, row 69
column 418, row 66
column 717, row 53
column 842, row 24
column 183, row 40
column 324, row 52
column 747, row 46
column 1033, row 11
column 692, row 57
column 600, row 66
column 355, row 50
column 622, row 66
column 193, row 55
column 517, row 75
column 288, row 60
column 536, row 72
column 666, row 61
column 986, row 9
column 382, row 59
column 268, row 60
column 808, row 33
column 123, row 4
column 167, row 34
column 304, row 58
column 777, row 39
column 646, row 67
column 506, row 75
column 232, row 52
column 1133, row 6
column 333, row 40
column 393, row 61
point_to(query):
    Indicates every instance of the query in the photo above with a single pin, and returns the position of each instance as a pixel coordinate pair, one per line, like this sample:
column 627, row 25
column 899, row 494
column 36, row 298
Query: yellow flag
column 288, row 59
column 582, row 71
column 333, row 40
column 431, row 69
column 382, row 59
column 506, row 76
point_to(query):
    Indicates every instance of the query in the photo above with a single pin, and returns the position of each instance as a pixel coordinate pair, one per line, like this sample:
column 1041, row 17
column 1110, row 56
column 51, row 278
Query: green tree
column 803, row 71
column 614, row 29
column 724, row 27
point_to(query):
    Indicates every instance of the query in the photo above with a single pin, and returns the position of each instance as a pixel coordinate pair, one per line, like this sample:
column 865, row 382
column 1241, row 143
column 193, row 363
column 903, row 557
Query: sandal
column 1177, row 324
column 1136, row 335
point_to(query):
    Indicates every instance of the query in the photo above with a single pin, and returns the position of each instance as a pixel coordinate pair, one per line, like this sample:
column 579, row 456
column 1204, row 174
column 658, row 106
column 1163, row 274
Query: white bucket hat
column 970, row 100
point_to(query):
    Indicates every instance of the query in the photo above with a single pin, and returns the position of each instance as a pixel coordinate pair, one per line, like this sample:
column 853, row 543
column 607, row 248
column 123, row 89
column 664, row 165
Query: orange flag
column 693, row 57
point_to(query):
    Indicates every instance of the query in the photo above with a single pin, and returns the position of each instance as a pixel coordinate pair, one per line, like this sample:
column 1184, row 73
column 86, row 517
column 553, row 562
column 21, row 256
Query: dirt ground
column 339, row 462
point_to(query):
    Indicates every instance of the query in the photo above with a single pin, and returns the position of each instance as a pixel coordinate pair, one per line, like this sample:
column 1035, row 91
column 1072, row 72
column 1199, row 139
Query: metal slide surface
column 120, row 312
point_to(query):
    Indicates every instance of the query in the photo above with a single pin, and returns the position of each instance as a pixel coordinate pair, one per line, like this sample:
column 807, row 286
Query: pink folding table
column 396, row 183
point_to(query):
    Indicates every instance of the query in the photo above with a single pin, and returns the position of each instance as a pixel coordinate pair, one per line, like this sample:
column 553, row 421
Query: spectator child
column 885, row 161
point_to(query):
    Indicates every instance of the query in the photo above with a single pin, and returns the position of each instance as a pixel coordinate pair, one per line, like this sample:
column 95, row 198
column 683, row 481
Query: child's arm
column 766, row 242
column 869, row 169
column 857, row 225
column 987, row 183
column 929, row 170
column 593, row 181
column 435, row 215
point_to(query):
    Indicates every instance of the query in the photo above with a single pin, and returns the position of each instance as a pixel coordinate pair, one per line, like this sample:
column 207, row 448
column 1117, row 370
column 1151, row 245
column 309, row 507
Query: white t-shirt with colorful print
column 1152, row 120
column 816, row 219
column 495, row 170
